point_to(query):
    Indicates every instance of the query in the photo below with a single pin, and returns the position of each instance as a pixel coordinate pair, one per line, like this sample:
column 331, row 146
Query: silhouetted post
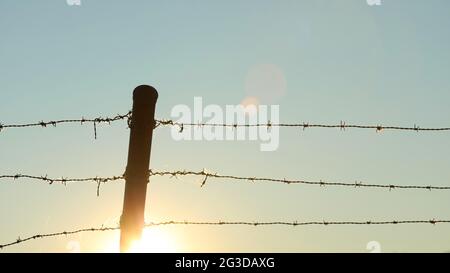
column 137, row 170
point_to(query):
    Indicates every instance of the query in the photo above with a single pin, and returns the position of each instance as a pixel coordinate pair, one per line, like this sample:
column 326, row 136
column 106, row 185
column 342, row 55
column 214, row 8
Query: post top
column 145, row 93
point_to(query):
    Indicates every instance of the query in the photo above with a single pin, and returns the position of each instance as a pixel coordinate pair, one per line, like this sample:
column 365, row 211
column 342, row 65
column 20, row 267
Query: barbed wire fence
column 205, row 175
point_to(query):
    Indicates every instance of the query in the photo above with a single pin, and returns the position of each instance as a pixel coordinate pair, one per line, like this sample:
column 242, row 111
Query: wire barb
column 95, row 130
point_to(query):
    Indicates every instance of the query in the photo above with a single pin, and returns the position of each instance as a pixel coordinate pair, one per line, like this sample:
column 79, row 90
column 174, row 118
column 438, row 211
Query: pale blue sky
column 342, row 60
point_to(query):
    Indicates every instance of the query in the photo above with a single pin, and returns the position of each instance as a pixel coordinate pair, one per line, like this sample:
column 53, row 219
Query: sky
column 322, row 61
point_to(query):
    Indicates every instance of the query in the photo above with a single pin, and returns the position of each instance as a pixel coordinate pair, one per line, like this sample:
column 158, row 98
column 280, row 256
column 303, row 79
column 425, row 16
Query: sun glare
column 153, row 240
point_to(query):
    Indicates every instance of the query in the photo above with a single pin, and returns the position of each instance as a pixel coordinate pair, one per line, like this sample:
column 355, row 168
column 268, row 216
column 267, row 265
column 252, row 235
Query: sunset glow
column 153, row 241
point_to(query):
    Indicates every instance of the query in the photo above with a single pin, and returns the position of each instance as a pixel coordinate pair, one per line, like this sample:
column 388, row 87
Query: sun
column 153, row 240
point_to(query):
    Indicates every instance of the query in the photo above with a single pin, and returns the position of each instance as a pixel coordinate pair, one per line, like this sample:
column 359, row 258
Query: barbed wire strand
column 357, row 184
column 64, row 181
column 342, row 126
column 206, row 175
column 168, row 122
column 223, row 223
column 54, row 123
column 56, row 234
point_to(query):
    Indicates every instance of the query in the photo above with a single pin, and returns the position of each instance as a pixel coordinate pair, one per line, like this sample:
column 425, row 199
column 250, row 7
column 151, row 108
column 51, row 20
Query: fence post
column 137, row 170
